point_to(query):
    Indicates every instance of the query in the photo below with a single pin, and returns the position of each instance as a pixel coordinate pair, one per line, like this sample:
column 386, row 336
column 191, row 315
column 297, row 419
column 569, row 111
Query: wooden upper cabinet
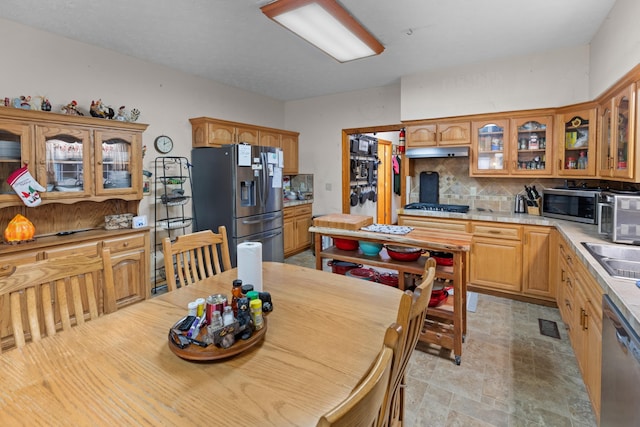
column 118, row 169
column 208, row 132
column 289, row 143
column 531, row 146
column 434, row 134
column 576, row 142
column 269, row 138
column 16, row 148
column 617, row 137
column 489, row 147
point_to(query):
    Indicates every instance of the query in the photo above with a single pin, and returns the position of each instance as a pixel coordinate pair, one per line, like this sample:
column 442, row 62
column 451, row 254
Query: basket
column 172, row 180
column 172, row 224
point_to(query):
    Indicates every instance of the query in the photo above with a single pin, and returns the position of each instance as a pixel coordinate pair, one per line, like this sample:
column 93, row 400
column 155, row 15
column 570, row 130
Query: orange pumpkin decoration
column 19, row 229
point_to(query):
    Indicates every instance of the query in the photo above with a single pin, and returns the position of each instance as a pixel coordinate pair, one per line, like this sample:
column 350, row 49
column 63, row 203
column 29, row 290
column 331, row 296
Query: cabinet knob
column 125, row 244
column 99, row 162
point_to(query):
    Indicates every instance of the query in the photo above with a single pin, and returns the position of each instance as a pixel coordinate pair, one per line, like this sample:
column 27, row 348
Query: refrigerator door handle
column 262, row 219
column 269, row 236
column 265, row 178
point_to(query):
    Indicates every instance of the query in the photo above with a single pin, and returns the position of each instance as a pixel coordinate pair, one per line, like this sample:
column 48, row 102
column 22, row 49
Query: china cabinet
column 431, row 134
column 576, row 142
column 616, row 142
column 91, row 168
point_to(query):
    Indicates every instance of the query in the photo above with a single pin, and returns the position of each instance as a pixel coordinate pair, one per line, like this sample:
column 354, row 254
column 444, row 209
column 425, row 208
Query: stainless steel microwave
column 578, row 205
column 620, row 217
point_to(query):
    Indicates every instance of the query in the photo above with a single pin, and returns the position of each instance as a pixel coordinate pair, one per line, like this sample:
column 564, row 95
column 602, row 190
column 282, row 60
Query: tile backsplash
column 457, row 187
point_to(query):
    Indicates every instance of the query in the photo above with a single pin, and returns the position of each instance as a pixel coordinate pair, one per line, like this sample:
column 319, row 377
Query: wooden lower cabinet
column 297, row 220
column 130, row 261
column 580, row 304
column 506, row 258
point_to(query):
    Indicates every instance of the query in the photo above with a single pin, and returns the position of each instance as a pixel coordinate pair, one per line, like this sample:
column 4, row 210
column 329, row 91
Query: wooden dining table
column 323, row 336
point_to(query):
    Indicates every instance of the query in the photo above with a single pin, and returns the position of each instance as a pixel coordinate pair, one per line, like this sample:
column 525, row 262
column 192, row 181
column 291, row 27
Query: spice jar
column 256, row 314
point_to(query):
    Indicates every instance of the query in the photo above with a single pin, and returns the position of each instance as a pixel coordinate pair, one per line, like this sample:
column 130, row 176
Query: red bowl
column 346, row 244
column 362, row 273
column 442, row 258
column 389, row 279
column 401, row 253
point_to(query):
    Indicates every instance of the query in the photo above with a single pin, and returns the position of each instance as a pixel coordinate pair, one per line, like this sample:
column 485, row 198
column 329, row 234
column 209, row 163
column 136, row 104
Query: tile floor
column 510, row 375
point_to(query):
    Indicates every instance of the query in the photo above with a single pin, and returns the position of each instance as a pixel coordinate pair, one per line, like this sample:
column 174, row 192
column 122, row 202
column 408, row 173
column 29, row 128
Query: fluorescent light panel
column 326, row 25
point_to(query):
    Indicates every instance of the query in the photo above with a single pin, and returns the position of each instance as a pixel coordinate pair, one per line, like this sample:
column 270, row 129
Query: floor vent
column 549, row 328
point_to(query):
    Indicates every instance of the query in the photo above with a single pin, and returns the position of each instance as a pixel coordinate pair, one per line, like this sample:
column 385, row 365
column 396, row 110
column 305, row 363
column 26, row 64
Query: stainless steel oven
column 578, row 205
column 619, row 217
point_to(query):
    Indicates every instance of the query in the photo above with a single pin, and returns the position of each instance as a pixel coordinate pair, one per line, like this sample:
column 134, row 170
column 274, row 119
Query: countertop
column 288, row 203
column 623, row 292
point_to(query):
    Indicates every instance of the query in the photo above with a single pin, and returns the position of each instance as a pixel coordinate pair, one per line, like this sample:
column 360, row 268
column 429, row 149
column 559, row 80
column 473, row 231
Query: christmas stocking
column 25, row 186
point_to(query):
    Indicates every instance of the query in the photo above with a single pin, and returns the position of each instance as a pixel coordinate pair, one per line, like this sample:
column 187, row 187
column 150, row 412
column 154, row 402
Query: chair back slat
column 365, row 405
column 194, row 257
column 412, row 312
column 58, row 293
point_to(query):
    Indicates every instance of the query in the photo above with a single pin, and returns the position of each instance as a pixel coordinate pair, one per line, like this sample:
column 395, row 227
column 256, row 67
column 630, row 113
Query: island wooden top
column 420, row 238
column 324, row 334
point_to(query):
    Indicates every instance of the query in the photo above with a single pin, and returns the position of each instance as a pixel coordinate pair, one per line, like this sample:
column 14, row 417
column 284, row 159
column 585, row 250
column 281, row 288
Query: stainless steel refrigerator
column 240, row 186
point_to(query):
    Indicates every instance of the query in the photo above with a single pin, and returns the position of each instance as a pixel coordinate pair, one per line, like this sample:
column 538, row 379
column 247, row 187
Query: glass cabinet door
column 116, row 172
column 604, row 152
column 489, row 148
column 531, row 145
column 623, row 153
column 577, row 151
column 15, row 152
column 64, row 161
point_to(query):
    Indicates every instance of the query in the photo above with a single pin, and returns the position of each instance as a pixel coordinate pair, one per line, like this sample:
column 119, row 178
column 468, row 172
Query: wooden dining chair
column 57, row 293
column 409, row 323
column 364, row 407
column 196, row 256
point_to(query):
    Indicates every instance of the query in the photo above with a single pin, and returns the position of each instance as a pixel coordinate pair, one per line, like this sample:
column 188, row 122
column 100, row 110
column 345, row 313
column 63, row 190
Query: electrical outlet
column 473, row 191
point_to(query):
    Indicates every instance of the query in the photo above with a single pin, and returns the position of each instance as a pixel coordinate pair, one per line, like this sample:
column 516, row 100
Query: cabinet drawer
column 434, row 224
column 89, row 249
column 513, row 232
column 303, row 210
column 124, row 243
column 288, row 212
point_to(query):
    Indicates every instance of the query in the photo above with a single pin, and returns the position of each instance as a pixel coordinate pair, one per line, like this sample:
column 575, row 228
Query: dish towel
column 388, row 229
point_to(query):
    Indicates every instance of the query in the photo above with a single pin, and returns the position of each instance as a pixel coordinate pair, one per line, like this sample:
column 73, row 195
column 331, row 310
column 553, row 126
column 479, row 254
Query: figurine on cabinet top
column 22, row 102
column 98, row 109
column 72, row 109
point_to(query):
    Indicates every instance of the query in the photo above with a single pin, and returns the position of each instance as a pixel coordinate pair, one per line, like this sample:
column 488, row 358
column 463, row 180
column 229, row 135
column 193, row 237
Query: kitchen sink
column 619, row 260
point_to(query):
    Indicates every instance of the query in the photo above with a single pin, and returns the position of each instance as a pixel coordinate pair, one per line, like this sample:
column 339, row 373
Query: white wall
column 320, row 122
column 543, row 80
column 38, row 63
column 615, row 49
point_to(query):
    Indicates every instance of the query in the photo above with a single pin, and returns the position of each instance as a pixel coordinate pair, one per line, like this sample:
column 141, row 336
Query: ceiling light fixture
column 326, row 25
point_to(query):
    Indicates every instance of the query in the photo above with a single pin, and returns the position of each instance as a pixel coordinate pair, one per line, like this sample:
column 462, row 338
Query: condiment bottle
column 227, row 316
column 236, row 292
column 246, row 289
column 253, row 295
column 256, row 314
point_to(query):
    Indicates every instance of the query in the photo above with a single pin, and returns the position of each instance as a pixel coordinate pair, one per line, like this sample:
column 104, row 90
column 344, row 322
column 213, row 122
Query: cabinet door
column 64, row 165
column 535, row 253
column 496, row 264
column 209, row 133
column 421, row 135
column 605, row 160
column 593, row 357
column 454, row 133
column 15, row 151
column 530, row 145
column 290, row 153
column 489, row 147
column 624, row 133
column 289, row 233
column 129, row 270
column 118, row 168
column 269, row 139
column 576, row 151
column 246, row 134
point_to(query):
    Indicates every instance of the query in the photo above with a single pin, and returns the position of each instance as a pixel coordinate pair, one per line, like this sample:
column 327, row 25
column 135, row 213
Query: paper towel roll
column 250, row 264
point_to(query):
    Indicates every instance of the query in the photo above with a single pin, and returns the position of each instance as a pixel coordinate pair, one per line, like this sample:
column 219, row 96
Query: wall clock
column 163, row 144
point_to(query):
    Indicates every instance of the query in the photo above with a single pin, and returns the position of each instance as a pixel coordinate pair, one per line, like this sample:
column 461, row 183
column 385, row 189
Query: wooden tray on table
column 212, row 351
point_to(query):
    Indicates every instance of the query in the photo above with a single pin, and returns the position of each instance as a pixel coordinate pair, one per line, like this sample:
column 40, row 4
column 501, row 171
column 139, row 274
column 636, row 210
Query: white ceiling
column 232, row 42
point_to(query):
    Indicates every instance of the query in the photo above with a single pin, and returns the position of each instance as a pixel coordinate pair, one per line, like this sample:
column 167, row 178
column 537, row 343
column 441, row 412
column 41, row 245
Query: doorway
column 387, row 201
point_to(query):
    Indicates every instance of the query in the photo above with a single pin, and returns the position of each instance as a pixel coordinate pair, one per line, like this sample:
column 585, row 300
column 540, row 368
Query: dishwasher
column 620, row 369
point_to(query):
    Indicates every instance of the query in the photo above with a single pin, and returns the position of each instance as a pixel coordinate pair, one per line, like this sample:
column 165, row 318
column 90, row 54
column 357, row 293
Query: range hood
column 429, row 152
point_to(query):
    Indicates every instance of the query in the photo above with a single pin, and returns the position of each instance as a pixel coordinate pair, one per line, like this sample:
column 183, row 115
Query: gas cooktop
column 438, row 207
